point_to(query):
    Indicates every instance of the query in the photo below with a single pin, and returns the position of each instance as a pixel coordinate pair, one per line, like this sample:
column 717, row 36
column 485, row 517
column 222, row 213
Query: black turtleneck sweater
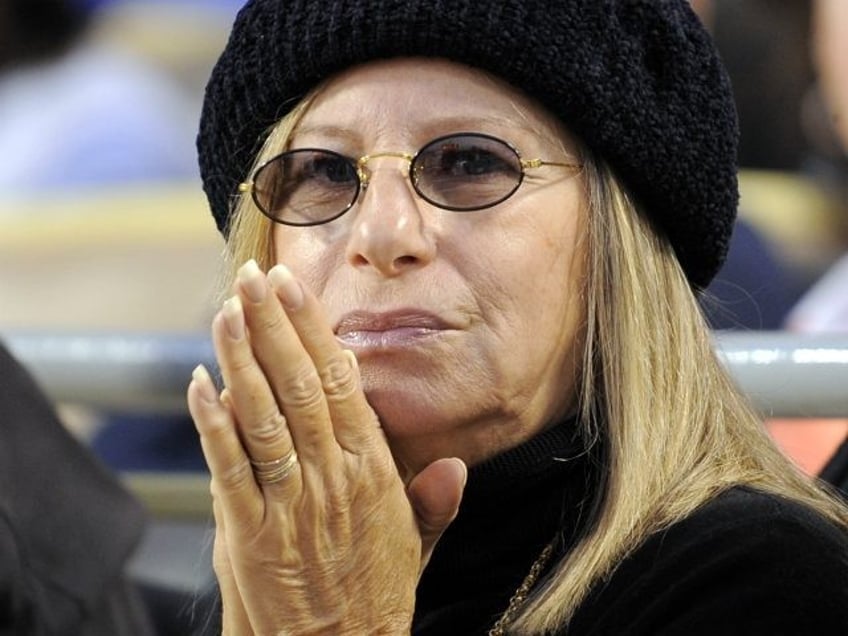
column 745, row 563
column 514, row 505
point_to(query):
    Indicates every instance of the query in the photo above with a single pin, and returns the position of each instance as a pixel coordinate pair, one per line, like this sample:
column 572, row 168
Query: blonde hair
column 675, row 428
column 250, row 234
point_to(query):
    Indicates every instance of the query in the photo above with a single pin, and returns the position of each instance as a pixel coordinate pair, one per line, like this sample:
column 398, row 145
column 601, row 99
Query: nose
column 389, row 232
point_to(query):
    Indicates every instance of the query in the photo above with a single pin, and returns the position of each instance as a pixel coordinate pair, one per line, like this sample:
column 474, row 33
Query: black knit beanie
column 638, row 81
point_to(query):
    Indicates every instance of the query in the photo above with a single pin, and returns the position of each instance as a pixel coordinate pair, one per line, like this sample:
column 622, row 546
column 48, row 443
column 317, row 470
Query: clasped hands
column 317, row 528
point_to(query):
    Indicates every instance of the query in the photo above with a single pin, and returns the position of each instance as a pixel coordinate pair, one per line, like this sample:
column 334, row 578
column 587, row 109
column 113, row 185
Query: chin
column 403, row 415
column 425, row 413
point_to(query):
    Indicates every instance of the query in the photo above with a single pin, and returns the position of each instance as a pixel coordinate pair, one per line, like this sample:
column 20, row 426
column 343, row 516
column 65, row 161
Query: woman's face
column 467, row 325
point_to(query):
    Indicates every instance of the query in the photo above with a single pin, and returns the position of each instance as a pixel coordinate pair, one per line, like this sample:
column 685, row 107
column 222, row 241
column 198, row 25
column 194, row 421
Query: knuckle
column 303, row 388
column 268, row 321
column 337, row 378
column 212, row 425
column 234, row 478
column 268, row 429
column 241, row 363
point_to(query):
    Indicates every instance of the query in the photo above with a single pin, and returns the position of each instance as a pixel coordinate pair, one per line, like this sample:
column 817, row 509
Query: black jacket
column 67, row 527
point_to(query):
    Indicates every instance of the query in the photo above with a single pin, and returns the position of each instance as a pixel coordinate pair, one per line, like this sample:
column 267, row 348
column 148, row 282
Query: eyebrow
column 327, row 130
column 463, row 123
column 436, row 127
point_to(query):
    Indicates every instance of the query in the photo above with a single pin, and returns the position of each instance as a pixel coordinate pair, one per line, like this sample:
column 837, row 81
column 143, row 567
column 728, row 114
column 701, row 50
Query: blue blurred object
column 754, row 289
column 90, row 5
column 86, row 105
column 149, row 442
column 212, row 5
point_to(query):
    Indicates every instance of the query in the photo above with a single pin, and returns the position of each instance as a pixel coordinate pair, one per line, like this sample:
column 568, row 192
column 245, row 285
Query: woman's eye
column 472, row 162
column 331, row 169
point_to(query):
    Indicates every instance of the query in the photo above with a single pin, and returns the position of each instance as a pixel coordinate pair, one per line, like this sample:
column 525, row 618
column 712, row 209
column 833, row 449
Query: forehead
column 409, row 97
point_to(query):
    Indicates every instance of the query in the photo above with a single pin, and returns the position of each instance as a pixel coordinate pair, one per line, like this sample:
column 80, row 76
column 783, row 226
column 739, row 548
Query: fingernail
column 464, row 473
column 226, row 398
column 287, row 286
column 233, row 313
column 205, row 386
column 464, row 468
column 252, row 281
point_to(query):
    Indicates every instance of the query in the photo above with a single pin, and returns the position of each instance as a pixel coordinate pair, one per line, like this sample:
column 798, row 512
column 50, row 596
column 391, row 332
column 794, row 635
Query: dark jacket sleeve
column 67, row 527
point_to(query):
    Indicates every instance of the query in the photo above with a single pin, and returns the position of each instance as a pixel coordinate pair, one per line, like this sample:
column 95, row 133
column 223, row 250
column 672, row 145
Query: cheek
column 543, row 287
column 546, row 301
column 305, row 252
column 561, row 274
column 536, row 267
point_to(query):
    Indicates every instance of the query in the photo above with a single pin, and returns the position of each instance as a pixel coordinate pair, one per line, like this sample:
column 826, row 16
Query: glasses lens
column 306, row 187
column 466, row 172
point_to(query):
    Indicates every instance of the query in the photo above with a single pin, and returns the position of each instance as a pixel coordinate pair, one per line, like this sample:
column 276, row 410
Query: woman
column 473, row 392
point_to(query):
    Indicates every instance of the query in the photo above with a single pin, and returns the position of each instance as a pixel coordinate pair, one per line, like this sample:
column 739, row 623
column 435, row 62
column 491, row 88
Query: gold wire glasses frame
column 461, row 172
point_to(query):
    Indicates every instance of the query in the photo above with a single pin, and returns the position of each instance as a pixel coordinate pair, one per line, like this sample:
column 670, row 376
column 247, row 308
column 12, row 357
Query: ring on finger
column 274, row 470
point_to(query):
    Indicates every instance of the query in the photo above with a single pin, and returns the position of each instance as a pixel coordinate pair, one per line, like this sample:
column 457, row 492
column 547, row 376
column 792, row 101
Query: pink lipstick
column 396, row 329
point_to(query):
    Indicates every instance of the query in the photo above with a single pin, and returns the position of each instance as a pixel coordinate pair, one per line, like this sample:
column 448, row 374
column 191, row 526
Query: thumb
column 435, row 494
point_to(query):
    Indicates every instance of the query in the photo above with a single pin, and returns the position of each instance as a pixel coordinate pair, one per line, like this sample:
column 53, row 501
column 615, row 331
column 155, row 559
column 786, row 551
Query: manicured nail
column 205, row 386
column 252, row 281
column 464, row 468
column 287, row 286
column 233, row 313
column 226, row 398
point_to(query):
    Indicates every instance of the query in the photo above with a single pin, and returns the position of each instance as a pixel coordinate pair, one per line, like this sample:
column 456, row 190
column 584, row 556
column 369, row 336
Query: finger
column 354, row 423
column 234, row 618
column 435, row 494
column 261, row 426
column 222, row 448
column 292, row 373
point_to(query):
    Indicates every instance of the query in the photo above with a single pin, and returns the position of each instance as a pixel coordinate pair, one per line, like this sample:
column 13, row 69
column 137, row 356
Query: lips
column 386, row 330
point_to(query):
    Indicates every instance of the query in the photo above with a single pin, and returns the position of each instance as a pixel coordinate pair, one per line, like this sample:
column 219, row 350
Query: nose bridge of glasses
column 362, row 163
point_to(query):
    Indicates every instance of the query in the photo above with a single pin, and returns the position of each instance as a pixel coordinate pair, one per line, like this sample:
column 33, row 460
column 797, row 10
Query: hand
column 337, row 543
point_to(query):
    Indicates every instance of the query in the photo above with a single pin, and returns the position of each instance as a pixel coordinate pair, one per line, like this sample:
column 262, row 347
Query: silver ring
column 274, row 470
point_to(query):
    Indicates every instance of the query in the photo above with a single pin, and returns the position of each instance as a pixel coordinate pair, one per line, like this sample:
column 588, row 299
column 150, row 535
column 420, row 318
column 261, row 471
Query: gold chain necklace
column 523, row 590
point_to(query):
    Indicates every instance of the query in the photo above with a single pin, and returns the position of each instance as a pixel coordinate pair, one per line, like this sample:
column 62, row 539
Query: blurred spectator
column 830, row 38
column 78, row 110
column 754, row 289
column 788, row 62
column 67, row 527
column 824, row 308
column 85, row 104
column 765, row 46
column 757, row 287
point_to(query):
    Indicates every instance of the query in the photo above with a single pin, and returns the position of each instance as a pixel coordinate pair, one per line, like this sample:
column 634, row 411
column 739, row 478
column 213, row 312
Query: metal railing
column 785, row 374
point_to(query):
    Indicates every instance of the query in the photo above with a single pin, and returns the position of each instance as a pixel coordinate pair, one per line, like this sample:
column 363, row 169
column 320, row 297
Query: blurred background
column 106, row 246
column 103, row 224
column 103, row 219
column 104, row 229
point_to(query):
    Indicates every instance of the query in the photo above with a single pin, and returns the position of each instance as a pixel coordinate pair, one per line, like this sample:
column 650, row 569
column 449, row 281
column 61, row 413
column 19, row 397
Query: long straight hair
column 676, row 430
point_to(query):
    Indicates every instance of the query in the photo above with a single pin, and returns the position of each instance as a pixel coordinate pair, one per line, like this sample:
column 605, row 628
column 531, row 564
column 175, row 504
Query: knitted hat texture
column 638, row 81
